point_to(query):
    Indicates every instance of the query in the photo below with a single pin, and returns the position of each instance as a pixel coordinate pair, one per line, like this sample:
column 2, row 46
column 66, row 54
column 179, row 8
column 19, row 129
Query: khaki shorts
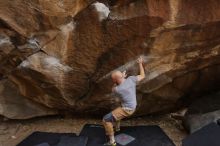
column 121, row 113
column 118, row 114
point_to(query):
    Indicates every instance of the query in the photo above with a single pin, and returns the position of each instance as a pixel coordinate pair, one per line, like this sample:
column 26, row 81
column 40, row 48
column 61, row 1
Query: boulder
column 202, row 112
column 60, row 54
column 13, row 105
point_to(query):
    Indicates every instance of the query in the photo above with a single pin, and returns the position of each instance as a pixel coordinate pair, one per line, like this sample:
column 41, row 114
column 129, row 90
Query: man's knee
column 109, row 118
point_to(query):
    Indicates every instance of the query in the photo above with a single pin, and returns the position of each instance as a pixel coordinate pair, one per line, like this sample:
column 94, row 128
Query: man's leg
column 108, row 125
column 120, row 114
column 116, row 115
column 117, row 125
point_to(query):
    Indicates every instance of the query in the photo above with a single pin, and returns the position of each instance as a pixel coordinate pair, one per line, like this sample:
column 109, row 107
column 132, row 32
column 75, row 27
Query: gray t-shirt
column 127, row 92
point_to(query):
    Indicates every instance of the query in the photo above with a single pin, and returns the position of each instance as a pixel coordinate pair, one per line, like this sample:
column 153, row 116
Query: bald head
column 117, row 76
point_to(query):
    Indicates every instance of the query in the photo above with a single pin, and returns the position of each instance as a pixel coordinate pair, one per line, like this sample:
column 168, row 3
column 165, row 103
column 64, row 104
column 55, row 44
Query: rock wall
column 59, row 54
column 202, row 112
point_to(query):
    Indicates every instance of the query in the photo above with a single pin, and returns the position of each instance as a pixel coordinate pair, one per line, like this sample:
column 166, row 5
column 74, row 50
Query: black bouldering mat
column 72, row 141
column 43, row 144
column 95, row 134
column 138, row 135
column 53, row 139
column 206, row 136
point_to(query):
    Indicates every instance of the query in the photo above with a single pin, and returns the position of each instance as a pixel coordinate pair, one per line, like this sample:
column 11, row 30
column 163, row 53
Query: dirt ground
column 14, row 131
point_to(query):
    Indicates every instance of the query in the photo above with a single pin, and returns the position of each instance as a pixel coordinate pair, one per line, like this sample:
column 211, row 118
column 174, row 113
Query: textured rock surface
column 202, row 112
column 60, row 53
column 15, row 106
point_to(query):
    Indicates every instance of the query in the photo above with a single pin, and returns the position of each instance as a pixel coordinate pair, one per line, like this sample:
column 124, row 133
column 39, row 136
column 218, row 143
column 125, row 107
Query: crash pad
column 139, row 135
column 209, row 135
column 53, row 139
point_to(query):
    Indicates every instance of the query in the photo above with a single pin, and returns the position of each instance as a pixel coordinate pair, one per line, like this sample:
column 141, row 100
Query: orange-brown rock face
column 59, row 55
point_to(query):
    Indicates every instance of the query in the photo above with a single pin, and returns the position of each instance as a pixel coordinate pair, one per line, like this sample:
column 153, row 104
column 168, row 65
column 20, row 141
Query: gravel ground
column 14, row 131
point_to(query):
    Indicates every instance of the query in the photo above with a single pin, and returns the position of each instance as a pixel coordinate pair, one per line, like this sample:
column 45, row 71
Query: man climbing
column 126, row 88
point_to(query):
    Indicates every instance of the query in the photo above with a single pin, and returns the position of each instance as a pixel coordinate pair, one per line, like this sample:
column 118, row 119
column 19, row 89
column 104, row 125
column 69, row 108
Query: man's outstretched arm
column 141, row 76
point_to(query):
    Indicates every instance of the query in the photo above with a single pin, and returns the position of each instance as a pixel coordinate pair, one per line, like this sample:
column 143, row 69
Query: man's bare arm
column 141, row 76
